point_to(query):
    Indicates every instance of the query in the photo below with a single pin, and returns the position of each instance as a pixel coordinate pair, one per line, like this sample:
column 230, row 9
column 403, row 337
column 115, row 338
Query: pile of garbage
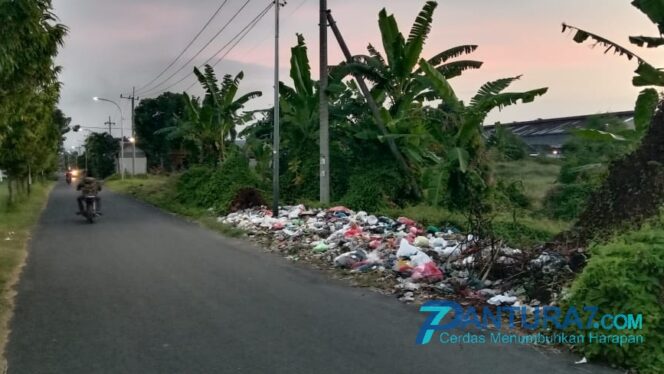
column 417, row 263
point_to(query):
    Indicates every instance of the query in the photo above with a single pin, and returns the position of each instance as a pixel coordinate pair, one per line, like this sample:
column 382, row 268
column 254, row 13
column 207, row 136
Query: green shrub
column 567, row 201
column 207, row 187
column 627, row 276
column 506, row 144
column 364, row 194
column 233, row 175
column 584, row 168
column 519, row 234
column 373, row 188
column 193, row 186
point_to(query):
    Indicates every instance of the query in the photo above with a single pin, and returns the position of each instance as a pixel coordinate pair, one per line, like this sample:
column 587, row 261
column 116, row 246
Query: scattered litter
column 581, row 361
column 415, row 262
column 502, row 299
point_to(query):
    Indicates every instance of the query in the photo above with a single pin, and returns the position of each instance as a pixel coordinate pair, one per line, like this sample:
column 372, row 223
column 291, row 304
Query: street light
column 122, row 173
column 75, row 153
column 87, row 172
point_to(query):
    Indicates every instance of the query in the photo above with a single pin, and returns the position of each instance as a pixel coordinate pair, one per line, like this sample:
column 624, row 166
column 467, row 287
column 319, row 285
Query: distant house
column 2, row 176
column 547, row 136
column 140, row 164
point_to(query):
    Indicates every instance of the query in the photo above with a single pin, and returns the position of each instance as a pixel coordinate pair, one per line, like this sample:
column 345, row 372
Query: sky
column 113, row 46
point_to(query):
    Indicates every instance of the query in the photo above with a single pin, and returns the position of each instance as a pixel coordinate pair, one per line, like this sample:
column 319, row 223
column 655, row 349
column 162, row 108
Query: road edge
column 9, row 292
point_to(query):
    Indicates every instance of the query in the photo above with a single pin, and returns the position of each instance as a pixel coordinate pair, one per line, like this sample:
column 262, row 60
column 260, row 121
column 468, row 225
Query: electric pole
column 323, row 110
column 275, row 136
column 133, row 135
column 109, row 123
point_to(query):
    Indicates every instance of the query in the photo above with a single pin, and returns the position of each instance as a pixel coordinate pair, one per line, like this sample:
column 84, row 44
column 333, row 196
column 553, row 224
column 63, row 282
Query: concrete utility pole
column 133, row 134
column 121, row 158
column 323, row 110
column 275, row 136
column 109, row 123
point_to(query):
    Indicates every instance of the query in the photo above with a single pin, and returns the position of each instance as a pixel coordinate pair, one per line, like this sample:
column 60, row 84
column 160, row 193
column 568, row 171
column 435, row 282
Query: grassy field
column 530, row 228
column 537, row 177
column 16, row 223
column 160, row 191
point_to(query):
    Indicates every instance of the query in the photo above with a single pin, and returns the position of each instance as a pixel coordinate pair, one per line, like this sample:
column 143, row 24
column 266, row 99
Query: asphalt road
column 142, row 291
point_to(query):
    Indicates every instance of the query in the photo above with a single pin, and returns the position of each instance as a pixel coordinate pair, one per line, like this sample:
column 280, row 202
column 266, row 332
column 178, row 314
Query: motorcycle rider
column 89, row 186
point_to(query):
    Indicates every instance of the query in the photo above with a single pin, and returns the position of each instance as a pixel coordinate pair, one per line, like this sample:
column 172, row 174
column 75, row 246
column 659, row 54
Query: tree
column 633, row 190
column 507, row 144
column 461, row 175
column 29, row 90
column 212, row 124
column 399, row 85
column 152, row 115
column 102, row 150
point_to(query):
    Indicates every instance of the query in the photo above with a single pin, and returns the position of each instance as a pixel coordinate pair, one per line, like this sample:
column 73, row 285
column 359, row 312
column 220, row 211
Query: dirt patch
column 245, row 198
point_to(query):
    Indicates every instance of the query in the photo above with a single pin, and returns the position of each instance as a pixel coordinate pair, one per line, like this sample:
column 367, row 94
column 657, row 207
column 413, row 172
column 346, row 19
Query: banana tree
column 632, row 191
column 646, row 75
column 212, row 125
column 299, row 104
column 399, row 85
column 224, row 106
column 461, row 162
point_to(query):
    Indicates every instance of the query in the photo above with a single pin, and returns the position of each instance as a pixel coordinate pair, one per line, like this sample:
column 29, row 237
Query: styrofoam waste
column 502, row 299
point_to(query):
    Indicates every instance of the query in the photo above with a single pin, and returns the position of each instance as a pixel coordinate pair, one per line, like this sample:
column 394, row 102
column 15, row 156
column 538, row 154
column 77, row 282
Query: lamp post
column 132, row 140
column 87, row 172
column 121, row 158
column 73, row 149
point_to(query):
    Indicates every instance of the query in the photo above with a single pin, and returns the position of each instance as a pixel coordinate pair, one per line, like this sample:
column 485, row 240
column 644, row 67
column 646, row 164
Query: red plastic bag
column 428, row 272
column 406, row 221
column 353, row 231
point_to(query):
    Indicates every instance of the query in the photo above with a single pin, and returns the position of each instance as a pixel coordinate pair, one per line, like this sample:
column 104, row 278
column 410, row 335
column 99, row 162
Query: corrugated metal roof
column 557, row 126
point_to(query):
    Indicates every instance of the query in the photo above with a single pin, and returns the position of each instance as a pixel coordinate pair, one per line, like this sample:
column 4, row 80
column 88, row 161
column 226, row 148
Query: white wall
column 141, row 165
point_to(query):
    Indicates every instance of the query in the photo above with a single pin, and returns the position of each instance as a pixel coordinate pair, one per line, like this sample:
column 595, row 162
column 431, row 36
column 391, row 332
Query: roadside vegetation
column 622, row 214
column 31, row 126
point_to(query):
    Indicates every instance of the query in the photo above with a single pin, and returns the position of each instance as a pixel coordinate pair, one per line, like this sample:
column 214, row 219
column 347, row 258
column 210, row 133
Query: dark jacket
column 89, row 186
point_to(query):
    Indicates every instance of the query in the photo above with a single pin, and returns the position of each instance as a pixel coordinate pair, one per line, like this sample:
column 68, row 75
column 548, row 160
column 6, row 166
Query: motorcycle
column 90, row 211
column 68, row 178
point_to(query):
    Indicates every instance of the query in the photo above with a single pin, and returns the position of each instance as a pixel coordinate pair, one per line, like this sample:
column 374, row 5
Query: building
column 547, row 136
column 140, row 164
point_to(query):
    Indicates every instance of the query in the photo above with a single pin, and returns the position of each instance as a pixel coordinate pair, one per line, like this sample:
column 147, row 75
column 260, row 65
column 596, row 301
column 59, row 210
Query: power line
column 250, row 27
column 286, row 18
column 185, row 48
column 296, row 9
column 200, row 50
column 241, row 34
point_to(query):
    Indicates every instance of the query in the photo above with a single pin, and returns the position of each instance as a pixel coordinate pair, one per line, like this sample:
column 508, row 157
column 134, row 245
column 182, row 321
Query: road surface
column 142, row 291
